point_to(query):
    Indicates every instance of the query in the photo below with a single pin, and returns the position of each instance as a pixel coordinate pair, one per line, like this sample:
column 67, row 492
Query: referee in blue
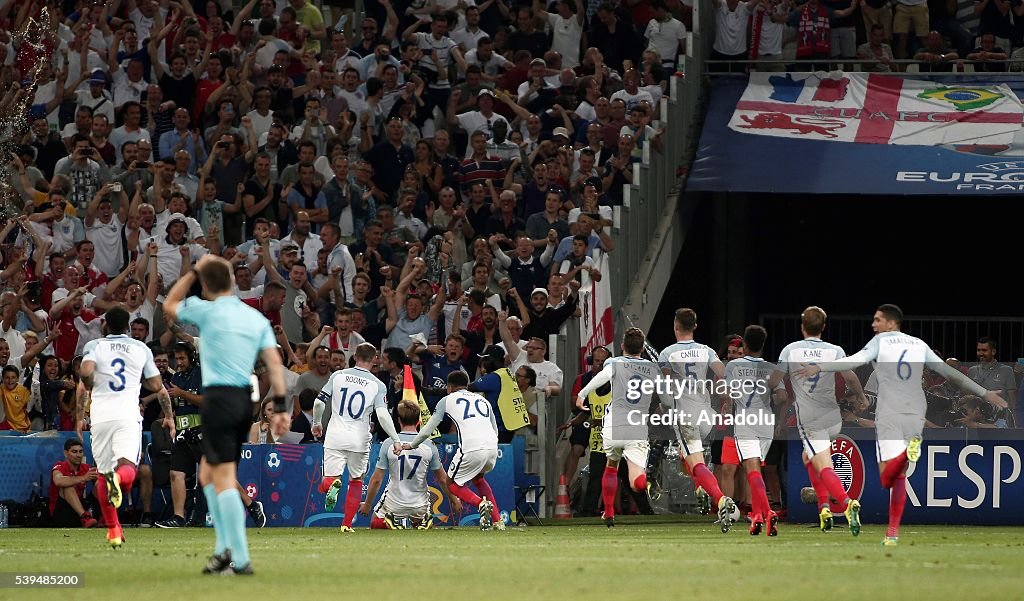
column 231, row 335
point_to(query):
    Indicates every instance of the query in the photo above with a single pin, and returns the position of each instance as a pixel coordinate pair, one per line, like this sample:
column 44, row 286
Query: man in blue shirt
column 232, row 334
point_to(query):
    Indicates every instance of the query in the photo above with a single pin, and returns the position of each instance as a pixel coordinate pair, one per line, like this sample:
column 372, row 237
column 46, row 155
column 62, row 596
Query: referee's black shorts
column 227, row 417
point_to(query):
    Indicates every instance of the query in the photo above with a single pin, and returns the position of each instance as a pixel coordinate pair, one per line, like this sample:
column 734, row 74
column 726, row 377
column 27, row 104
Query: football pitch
column 652, row 558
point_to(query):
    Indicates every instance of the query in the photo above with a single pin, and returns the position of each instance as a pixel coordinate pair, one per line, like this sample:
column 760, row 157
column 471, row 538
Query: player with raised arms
column 232, row 335
column 113, row 369
column 624, row 435
column 899, row 360
column 817, row 414
column 691, row 362
column 352, row 394
column 751, row 396
column 406, row 500
column 473, row 416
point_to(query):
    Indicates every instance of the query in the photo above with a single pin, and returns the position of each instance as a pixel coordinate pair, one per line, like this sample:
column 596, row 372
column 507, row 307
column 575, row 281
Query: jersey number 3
column 118, row 366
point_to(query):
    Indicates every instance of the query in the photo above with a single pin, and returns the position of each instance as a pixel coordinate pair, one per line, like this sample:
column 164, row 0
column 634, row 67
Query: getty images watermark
column 683, row 397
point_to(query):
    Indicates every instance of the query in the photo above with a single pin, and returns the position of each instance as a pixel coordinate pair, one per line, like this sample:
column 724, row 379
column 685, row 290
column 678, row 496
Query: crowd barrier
column 284, row 477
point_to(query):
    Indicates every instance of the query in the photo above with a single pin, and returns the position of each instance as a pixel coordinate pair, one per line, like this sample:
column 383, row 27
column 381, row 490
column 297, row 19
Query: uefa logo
column 273, row 462
column 848, row 463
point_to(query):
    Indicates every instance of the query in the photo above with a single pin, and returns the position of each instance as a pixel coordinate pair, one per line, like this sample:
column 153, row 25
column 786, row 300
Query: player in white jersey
column 352, row 394
column 899, row 360
column 817, row 414
column 473, row 417
column 751, row 395
column 406, row 500
column 624, row 427
column 693, row 365
column 113, row 369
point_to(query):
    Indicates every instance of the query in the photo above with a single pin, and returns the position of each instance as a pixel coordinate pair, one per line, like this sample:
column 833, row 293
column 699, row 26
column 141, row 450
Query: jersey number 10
column 352, row 412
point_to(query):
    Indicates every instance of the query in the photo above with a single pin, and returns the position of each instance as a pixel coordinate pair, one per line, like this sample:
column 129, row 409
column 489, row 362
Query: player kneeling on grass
column 406, row 500
column 354, row 394
column 113, row 369
column 474, row 421
column 624, row 435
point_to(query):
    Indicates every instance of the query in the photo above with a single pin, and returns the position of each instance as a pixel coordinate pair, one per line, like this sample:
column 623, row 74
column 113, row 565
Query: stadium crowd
column 437, row 194
column 937, row 35
column 430, row 177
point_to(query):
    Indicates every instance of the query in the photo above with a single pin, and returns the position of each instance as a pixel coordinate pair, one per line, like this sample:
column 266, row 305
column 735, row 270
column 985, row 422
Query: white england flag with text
column 876, row 109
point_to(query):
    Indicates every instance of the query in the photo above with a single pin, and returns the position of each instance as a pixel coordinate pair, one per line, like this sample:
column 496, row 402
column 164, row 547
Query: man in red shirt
column 92, row 278
column 53, row 279
column 65, row 312
column 270, row 303
column 67, row 488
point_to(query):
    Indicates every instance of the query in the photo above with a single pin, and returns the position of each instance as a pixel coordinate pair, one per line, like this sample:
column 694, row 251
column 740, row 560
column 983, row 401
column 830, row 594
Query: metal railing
column 949, row 336
column 906, row 66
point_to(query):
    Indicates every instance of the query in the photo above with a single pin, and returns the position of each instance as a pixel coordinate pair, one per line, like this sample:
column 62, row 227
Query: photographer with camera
column 185, row 388
column 85, row 170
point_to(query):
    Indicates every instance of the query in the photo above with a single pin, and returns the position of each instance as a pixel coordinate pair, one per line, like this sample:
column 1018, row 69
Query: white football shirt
column 121, row 364
column 353, row 394
column 691, row 362
column 407, row 473
column 473, row 417
column 815, row 398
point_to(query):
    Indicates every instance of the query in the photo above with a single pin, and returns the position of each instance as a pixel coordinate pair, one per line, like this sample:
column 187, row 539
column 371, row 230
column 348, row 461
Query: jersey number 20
column 482, row 407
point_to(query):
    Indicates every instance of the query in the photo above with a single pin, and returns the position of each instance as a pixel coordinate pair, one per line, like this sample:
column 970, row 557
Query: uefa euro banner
column 863, row 133
column 962, row 477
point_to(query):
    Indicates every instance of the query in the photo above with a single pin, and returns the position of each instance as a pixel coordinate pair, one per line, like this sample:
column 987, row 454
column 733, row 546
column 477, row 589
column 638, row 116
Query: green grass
column 579, row 560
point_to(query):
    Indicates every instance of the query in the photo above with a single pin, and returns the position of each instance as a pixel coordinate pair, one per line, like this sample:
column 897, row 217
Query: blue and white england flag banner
column 922, row 134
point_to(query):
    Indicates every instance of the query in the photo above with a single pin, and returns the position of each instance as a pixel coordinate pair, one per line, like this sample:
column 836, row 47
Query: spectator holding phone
column 84, row 170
